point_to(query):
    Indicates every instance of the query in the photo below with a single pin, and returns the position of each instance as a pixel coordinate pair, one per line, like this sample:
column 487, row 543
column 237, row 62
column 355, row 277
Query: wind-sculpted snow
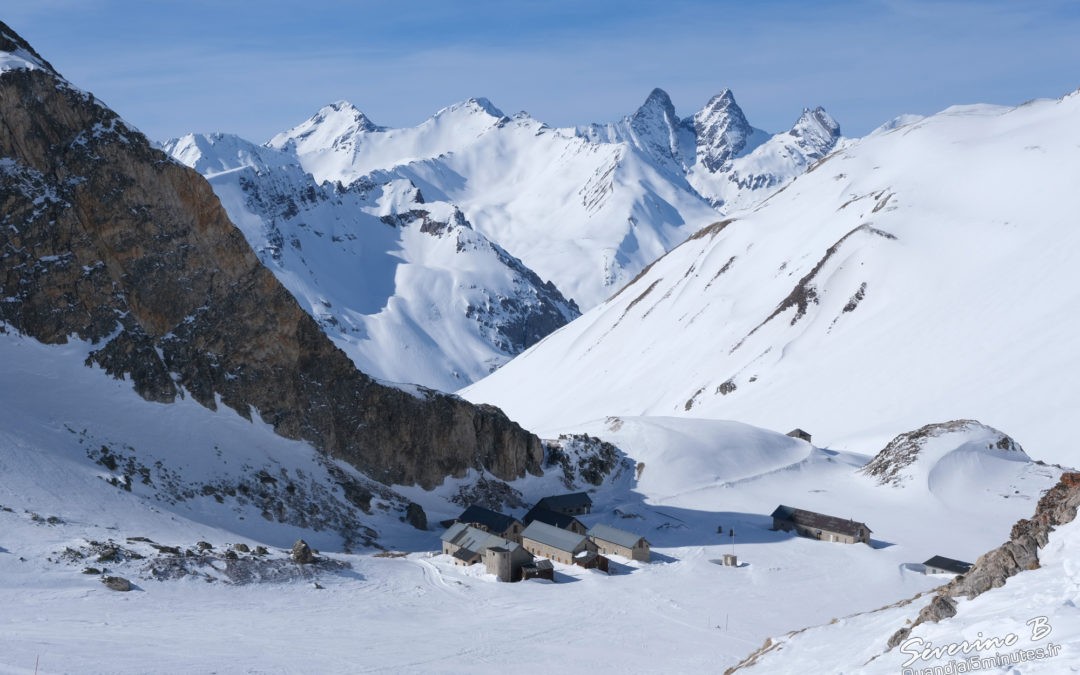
column 921, row 273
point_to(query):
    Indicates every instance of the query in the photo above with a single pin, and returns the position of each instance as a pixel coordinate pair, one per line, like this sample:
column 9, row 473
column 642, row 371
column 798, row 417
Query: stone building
column 819, row 526
column 551, row 542
column 611, row 540
column 560, row 520
column 574, row 504
column 468, row 545
column 506, row 563
column 494, row 522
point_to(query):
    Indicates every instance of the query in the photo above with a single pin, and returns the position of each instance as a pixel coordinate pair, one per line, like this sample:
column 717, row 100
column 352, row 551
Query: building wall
column 545, row 551
column 823, row 535
column 639, row 552
column 513, row 533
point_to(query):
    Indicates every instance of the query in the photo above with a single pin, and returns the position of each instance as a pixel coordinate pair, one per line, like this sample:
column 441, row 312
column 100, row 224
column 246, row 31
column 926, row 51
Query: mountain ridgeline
column 108, row 240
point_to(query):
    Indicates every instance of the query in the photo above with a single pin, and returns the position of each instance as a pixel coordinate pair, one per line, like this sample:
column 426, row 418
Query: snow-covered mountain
column 728, row 162
column 406, row 287
column 920, row 273
column 587, row 207
column 337, row 207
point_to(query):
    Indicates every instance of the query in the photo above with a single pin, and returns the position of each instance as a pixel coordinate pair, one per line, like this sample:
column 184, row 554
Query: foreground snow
column 682, row 612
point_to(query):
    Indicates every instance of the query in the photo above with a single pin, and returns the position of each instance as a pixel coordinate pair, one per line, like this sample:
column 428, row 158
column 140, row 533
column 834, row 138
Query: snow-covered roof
column 615, row 535
column 564, row 540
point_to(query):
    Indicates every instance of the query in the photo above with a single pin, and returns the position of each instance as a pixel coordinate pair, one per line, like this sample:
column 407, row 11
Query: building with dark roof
column 560, row 520
column 494, row 522
column 538, row 569
column 574, row 504
column 799, row 433
column 609, row 540
column 820, row 526
column 939, row 564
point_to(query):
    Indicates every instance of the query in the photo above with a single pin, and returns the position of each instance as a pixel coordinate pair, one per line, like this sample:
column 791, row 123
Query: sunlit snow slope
column 922, row 273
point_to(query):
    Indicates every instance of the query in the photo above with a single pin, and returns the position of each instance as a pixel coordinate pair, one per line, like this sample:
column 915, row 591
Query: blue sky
column 171, row 67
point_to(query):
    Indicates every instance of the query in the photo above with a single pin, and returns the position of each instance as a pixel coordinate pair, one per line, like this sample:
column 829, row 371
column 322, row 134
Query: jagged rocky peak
column 110, row 242
column 654, row 126
column 721, row 129
column 817, row 132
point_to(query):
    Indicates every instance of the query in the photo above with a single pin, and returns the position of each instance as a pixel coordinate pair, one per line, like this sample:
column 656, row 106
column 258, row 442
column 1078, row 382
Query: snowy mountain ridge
column 405, row 286
column 635, row 188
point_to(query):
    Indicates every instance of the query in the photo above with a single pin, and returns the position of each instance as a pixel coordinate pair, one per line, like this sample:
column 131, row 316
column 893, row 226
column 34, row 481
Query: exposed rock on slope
column 890, row 465
column 1057, row 507
column 106, row 239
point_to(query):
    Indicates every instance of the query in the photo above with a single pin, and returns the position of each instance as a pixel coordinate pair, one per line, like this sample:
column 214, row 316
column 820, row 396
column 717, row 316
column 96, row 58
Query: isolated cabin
column 467, row 544
column 939, row 564
column 591, row 560
column 494, row 522
column 560, row 520
column 819, row 526
column 506, row 563
column 612, row 540
column 548, row 541
column 799, row 433
column 575, row 504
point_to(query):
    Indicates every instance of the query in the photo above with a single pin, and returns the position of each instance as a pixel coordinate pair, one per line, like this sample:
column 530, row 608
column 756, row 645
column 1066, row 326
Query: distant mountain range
column 436, row 253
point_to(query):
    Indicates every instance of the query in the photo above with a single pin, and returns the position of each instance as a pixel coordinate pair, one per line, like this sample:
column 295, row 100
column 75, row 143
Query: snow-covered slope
column 587, row 208
column 921, row 273
column 74, row 434
column 406, row 287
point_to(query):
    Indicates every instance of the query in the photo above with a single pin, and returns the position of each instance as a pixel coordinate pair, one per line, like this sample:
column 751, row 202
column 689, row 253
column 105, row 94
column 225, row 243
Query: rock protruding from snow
column 919, row 452
column 117, row 584
column 301, row 553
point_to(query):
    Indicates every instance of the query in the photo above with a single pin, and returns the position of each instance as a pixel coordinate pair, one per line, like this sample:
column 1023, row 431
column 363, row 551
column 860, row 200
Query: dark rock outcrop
column 104, row 238
column 301, row 552
column 415, row 516
column 117, row 583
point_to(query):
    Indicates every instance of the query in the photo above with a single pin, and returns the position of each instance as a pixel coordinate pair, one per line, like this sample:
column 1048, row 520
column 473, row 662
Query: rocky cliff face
column 106, row 239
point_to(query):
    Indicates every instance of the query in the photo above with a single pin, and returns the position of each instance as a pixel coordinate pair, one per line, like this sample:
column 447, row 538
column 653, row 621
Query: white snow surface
column 934, row 266
column 682, row 612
